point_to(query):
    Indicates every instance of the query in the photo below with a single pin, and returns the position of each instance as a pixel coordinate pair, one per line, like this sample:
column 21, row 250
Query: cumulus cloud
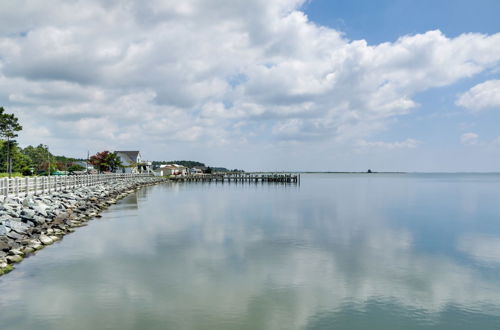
column 469, row 139
column 220, row 72
column 482, row 96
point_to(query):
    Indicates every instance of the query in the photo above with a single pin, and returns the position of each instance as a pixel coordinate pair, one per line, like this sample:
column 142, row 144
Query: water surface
column 400, row 251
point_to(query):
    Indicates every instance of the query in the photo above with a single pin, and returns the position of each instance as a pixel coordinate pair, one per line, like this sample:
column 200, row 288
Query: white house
column 171, row 169
column 132, row 162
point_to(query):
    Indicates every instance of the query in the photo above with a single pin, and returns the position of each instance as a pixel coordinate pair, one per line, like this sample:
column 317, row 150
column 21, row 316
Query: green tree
column 75, row 168
column 18, row 161
column 39, row 156
column 106, row 161
column 9, row 125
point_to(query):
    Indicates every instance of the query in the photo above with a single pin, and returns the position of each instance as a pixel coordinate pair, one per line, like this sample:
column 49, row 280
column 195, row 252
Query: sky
column 390, row 85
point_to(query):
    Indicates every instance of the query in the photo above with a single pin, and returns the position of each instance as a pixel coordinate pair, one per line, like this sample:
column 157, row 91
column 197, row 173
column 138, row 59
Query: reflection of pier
column 241, row 177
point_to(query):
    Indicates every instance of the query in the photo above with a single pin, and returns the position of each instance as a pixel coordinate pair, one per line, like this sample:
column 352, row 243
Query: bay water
column 338, row 251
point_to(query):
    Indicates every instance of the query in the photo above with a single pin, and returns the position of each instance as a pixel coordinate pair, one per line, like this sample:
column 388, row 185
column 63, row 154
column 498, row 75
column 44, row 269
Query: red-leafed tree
column 106, row 161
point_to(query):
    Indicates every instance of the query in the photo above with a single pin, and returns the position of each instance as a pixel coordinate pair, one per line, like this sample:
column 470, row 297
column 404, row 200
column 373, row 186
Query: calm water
column 338, row 252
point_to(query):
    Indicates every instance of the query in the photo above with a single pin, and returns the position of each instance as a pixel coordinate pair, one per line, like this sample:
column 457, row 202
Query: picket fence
column 47, row 184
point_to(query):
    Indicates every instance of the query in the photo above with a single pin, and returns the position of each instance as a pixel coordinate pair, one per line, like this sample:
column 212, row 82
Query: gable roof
column 131, row 155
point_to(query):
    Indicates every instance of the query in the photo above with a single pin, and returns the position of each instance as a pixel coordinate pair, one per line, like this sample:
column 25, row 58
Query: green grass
column 6, row 175
column 6, row 270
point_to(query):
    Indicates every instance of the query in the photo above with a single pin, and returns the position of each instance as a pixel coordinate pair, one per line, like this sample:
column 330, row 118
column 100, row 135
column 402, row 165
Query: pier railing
column 47, row 184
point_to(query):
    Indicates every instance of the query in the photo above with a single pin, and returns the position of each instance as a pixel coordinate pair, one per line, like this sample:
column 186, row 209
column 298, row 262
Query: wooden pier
column 241, row 177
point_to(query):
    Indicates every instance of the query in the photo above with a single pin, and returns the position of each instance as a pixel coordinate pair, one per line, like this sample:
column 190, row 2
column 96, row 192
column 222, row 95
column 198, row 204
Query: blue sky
column 259, row 85
column 438, row 120
column 386, row 20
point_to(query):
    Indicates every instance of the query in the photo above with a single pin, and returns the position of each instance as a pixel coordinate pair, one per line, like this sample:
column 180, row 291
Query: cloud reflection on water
column 213, row 257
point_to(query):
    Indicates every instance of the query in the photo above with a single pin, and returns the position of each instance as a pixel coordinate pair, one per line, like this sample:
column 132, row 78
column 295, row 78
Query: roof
column 132, row 155
column 172, row 166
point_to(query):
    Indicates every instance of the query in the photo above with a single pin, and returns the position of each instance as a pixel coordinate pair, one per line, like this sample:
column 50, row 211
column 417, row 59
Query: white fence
column 46, row 184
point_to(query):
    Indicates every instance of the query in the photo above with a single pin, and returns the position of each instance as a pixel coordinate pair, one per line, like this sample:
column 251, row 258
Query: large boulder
column 17, row 225
column 14, row 235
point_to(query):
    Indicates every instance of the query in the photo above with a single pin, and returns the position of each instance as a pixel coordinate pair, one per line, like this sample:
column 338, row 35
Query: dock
column 241, row 177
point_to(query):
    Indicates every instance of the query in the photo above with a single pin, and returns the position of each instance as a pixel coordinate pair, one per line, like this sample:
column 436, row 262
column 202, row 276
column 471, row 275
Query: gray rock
column 14, row 259
column 10, row 201
column 3, row 230
column 40, row 211
column 17, row 226
column 28, row 202
column 12, row 234
column 27, row 213
column 14, row 213
column 4, row 217
column 14, row 252
column 38, row 220
column 46, row 240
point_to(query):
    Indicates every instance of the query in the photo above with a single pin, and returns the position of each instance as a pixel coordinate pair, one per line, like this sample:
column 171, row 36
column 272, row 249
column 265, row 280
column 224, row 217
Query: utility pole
column 48, row 160
column 9, row 158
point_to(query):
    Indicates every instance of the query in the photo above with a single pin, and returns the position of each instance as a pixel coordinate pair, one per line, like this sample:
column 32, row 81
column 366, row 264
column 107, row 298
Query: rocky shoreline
column 28, row 224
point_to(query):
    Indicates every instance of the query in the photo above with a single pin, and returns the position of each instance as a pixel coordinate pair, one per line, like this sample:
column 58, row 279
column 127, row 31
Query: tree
column 18, row 162
column 106, row 161
column 9, row 125
column 75, row 168
column 39, row 156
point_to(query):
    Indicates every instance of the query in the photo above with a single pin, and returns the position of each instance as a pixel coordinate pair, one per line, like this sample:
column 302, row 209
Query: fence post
column 27, row 184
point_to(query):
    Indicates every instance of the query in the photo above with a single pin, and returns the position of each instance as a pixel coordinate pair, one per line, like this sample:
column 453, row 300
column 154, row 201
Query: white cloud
column 481, row 247
column 214, row 72
column 482, row 96
column 406, row 144
column 469, row 139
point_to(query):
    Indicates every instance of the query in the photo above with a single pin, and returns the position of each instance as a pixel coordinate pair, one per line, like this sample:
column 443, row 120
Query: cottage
column 132, row 162
column 171, row 169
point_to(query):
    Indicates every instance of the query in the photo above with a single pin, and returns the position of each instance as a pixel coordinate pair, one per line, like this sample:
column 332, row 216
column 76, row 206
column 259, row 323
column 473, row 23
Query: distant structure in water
column 369, row 171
